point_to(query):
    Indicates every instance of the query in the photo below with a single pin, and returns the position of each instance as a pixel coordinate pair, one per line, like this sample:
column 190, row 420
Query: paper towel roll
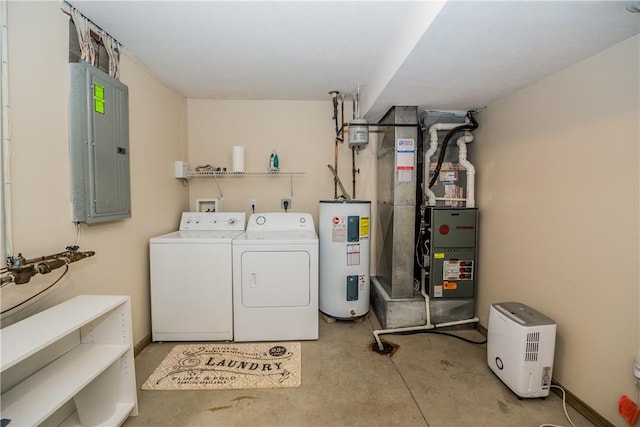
column 238, row 158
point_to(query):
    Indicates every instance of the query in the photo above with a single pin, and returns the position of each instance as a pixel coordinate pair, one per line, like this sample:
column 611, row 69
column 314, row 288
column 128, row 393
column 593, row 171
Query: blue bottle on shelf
column 273, row 162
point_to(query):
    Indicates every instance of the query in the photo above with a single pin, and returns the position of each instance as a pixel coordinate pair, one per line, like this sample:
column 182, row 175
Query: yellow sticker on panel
column 98, row 91
column 98, row 105
column 364, row 227
column 439, row 255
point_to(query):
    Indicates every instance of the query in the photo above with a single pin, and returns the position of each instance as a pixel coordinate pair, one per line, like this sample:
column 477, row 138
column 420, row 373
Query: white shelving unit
column 70, row 365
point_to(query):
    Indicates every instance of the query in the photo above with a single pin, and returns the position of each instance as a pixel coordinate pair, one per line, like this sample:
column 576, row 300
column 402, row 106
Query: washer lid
column 195, row 236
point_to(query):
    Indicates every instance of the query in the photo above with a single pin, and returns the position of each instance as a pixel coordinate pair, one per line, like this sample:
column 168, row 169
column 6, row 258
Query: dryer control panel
column 280, row 221
column 212, row 221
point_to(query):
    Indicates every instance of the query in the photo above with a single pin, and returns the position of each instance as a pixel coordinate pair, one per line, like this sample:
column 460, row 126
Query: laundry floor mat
column 228, row 366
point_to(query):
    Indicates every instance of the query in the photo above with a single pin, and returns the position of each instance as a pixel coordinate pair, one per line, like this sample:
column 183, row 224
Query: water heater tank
column 343, row 229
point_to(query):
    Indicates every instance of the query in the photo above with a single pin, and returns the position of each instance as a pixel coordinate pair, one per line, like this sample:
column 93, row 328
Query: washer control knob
column 232, row 221
column 261, row 220
column 303, row 219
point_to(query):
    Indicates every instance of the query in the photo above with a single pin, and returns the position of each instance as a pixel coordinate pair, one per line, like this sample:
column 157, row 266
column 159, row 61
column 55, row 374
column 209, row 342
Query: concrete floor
column 431, row 380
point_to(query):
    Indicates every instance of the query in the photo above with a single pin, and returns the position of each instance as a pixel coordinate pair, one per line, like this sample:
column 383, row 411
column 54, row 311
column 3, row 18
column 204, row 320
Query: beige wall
column 302, row 132
column 557, row 186
column 39, row 94
column 558, row 189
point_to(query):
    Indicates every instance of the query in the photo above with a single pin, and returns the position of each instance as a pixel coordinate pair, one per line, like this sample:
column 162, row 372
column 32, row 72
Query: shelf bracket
column 291, row 185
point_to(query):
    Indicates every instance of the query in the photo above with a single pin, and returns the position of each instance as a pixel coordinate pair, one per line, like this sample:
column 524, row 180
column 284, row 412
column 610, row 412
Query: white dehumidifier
column 520, row 348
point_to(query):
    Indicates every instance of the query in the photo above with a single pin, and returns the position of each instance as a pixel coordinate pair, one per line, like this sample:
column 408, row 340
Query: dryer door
column 275, row 279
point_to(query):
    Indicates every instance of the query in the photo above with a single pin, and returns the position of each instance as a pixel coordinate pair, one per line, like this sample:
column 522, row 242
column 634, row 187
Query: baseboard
column 141, row 345
column 481, row 329
column 582, row 408
column 572, row 400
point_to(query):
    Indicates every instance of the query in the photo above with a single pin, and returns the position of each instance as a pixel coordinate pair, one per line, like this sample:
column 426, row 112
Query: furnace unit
column 452, row 252
column 427, row 222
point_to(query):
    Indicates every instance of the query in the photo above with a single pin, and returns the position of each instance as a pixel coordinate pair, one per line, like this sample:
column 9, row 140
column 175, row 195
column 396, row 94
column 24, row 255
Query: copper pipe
column 345, row 195
column 21, row 270
column 353, row 169
column 44, row 258
column 335, row 165
column 339, row 138
column 334, row 95
column 342, row 117
column 355, row 114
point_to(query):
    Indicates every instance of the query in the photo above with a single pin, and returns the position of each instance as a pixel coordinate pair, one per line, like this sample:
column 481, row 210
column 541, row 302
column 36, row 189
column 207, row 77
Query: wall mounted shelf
column 207, row 173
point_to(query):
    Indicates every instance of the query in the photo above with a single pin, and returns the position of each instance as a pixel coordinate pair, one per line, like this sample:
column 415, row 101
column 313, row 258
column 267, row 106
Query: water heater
column 343, row 229
column 520, row 348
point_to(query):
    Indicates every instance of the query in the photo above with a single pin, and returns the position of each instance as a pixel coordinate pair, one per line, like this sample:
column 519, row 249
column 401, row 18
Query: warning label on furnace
column 437, row 291
column 405, row 159
column 457, row 270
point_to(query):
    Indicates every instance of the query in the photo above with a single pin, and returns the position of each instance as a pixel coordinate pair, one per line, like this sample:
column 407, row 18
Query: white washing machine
column 191, row 278
column 275, row 279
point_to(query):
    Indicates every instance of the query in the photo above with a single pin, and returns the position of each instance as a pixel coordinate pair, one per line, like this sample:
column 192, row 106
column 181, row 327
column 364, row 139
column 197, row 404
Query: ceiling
column 454, row 55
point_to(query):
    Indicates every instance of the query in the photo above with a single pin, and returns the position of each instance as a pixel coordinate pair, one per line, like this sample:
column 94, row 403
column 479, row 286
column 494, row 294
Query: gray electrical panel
column 98, row 145
column 452, row 247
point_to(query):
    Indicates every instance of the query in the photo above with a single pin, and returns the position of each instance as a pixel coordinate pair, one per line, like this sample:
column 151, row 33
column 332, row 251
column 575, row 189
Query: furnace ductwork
column 430, row 196
column 450, row 188
column 466, row 164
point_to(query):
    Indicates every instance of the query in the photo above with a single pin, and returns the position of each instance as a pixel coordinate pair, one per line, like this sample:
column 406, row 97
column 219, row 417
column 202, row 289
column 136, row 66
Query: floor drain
column 388, row 348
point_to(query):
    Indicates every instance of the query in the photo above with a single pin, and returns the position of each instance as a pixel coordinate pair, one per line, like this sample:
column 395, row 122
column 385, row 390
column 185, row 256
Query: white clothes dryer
column 191, row 275
column 275, row 279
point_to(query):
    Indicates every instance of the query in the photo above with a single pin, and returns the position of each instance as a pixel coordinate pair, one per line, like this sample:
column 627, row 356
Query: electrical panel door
column 98, row 145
